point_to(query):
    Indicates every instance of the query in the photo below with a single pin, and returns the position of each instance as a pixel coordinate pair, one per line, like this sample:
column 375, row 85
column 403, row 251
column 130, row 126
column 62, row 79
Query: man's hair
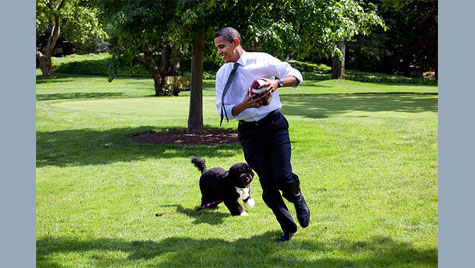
column 228, row 34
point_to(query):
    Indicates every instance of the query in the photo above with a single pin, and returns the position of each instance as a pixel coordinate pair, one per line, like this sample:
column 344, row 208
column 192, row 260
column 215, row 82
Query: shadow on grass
column 67, row 96
column 61, row 78
column 70, row 77
column 208, row 215
column 256, row 251
column 58, row 79
column 94, row 147
column 324, row 106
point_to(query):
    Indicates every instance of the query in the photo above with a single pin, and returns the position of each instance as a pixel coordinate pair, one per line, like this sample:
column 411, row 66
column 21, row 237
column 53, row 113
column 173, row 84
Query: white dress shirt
column 252, row 65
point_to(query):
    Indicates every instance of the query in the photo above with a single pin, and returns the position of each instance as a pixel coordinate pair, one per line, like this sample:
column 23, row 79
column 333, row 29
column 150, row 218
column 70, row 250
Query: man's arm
column 289, row 81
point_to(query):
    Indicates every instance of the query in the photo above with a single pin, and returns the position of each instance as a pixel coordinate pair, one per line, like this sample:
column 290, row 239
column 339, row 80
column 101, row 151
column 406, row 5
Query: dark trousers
column 267, row 150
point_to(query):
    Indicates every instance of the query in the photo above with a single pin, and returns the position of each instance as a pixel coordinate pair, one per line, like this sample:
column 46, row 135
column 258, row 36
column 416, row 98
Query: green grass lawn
column 366, row 155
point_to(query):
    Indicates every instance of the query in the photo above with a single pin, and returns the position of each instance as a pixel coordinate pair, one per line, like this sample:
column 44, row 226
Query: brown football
column 257, row 91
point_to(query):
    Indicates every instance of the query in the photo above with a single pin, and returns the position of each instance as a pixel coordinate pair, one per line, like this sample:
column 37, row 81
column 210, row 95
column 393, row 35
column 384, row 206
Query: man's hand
column 271, row 87
column 248, row 102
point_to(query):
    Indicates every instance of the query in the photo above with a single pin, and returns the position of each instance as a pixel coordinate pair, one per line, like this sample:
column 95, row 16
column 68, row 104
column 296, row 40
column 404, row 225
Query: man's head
column 228, row 43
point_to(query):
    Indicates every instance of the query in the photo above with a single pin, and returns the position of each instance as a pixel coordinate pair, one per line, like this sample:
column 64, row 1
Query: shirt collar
column 243, row 59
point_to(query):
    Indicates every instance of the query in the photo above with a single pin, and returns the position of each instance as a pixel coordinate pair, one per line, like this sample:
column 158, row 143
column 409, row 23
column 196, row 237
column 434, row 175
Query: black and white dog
column 228, row 185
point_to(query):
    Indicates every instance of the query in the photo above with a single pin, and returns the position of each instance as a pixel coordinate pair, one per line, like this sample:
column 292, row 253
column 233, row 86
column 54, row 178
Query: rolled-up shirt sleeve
column 283, row 69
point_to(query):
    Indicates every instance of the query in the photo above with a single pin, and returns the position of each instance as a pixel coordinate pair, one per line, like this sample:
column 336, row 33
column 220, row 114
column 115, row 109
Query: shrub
column 311, row 67
column 98, row 64
column 387, row 78
column 94, row 64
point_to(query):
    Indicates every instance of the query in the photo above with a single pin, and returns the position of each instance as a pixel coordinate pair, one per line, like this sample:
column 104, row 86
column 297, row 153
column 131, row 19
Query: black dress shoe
column 303, row 212
column 286, row 236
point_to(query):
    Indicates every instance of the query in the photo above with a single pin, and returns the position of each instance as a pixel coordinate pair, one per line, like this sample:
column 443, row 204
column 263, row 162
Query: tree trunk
column 164, row 58
column 149, row 63
column 195, row 117
column 45, row 64
column 338, row 66
column 170, row 59
column 175, row 58
column 44, row 57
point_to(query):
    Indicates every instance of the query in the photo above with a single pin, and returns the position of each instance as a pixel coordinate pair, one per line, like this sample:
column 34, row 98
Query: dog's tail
column 199, row 163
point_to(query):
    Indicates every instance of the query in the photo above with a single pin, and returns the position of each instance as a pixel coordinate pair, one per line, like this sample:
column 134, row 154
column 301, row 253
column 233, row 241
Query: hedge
column 98, row 64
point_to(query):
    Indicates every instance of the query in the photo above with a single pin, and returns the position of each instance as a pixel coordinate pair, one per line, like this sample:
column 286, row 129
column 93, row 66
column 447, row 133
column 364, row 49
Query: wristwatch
column 280, row 82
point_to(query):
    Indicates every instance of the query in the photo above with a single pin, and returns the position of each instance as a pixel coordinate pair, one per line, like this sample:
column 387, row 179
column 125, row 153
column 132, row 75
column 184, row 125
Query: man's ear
column 236, row 42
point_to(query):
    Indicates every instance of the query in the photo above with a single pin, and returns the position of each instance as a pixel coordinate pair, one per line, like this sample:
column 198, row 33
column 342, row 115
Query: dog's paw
column 244, row 213
column 250, row 203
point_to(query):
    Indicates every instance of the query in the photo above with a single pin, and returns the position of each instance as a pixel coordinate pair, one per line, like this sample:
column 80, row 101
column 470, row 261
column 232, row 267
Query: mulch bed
column 210, row 137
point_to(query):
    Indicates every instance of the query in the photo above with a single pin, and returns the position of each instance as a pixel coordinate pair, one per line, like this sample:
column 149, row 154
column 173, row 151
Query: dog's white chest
column 245, row 197
column 243, row 193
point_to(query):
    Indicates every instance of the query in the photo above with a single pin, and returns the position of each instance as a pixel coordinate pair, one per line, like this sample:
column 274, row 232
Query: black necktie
column 226, row 87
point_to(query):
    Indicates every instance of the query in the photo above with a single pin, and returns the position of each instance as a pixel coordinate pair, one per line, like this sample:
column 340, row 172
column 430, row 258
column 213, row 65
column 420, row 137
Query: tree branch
column 53, row 38
column 61, row 5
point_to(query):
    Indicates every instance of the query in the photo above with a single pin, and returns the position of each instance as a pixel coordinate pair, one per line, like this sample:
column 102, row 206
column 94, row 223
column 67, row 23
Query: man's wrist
column 237, row 109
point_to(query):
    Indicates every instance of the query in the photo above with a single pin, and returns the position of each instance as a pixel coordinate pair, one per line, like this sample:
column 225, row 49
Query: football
column 257, row 90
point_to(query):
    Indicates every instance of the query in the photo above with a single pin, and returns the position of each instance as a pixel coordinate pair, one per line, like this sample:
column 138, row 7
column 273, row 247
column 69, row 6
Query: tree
column 151, row 33
column 301, row 28
column 194, row 19
column 341, row 21
column 410, row 41
column 140, row 33
column 338, row 64
column 70, row 19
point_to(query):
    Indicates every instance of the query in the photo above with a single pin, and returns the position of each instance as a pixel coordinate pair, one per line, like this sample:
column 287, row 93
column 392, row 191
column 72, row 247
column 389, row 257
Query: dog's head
column 241, row 175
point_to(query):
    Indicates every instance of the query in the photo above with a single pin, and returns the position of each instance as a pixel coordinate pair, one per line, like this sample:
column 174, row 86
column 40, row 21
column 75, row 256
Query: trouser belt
column 261, row 122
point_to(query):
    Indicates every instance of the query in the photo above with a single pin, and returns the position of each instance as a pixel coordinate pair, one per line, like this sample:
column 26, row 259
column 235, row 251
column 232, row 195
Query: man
column 263, row 130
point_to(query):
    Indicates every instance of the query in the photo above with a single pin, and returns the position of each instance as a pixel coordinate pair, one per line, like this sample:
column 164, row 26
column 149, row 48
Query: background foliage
column 79, row 23
column 98, row 64
column 298, row 30
column 410, row 43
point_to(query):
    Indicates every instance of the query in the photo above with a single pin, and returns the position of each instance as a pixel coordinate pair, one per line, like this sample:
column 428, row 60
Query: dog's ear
column 247, row 169
column 235, row 172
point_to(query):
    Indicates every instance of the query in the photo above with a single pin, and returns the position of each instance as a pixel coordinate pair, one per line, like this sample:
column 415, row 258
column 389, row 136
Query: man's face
column 227, row 50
